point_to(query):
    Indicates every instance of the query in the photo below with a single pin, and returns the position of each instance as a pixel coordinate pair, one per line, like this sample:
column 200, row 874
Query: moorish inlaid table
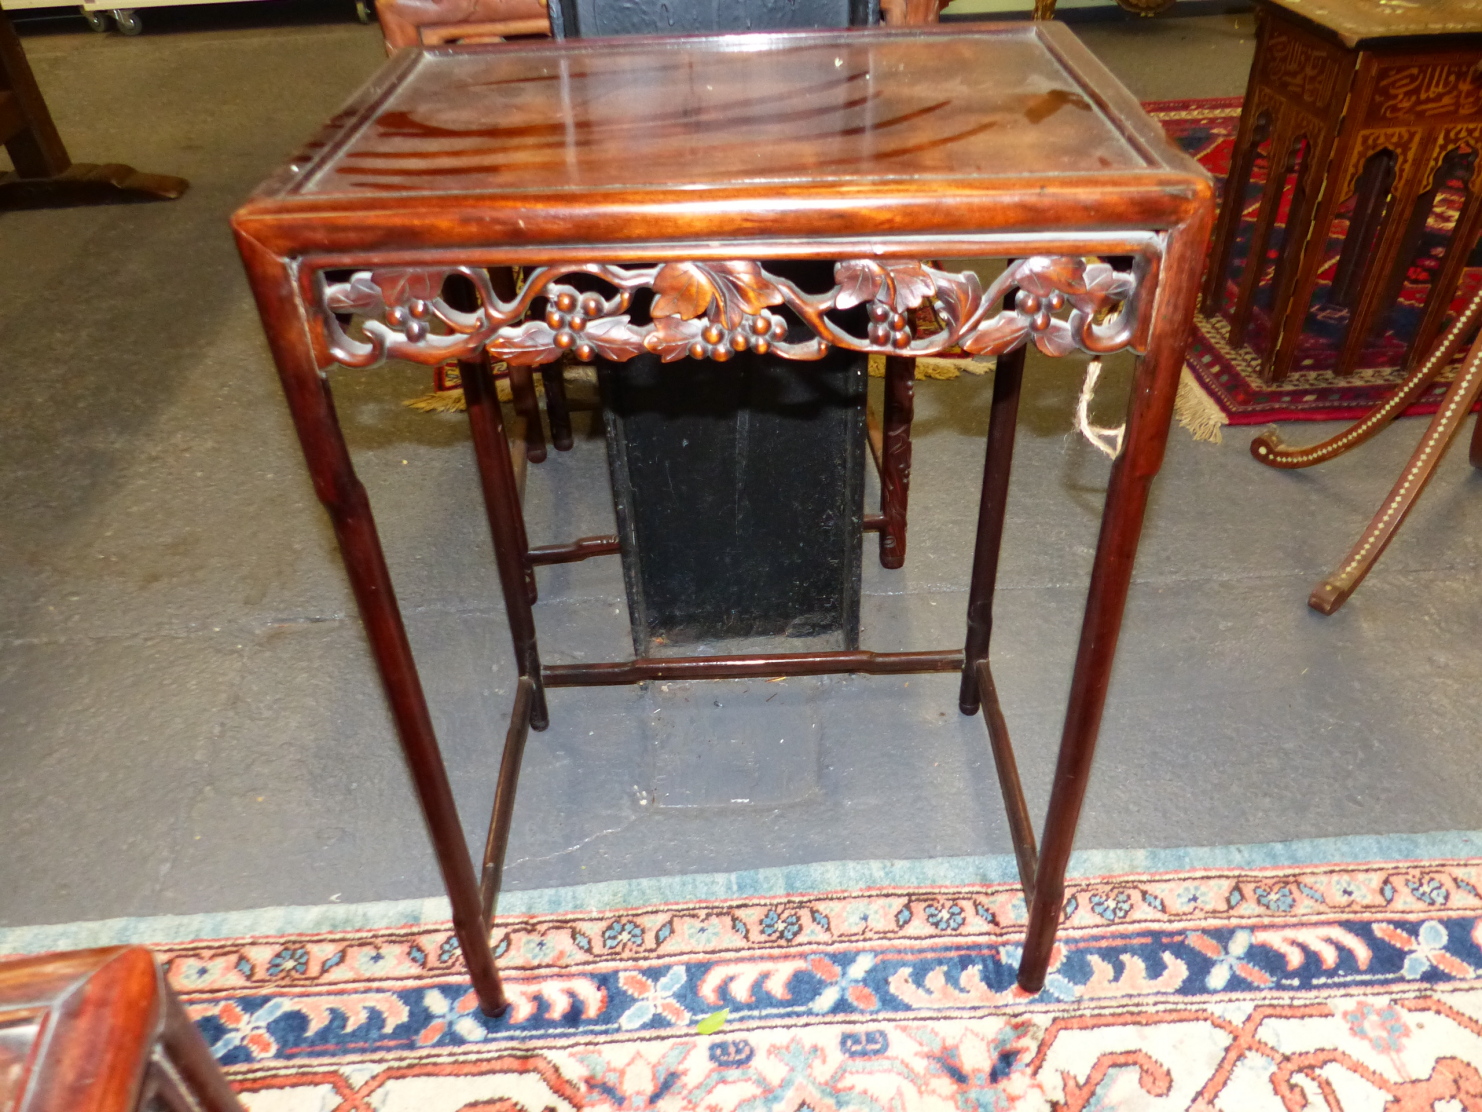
column 1373, row 102
column 648, row 188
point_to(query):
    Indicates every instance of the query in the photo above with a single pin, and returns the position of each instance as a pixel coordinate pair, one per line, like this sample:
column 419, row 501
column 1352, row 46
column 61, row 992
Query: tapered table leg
column 1151, row 409
column 309, row 400
column 507, row 527
column 998, row 458
column 895, row 458
column 556, row 409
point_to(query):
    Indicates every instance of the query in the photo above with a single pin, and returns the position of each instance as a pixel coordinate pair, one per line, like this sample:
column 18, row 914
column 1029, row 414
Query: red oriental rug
column 1343, row 975
column 1312, row 392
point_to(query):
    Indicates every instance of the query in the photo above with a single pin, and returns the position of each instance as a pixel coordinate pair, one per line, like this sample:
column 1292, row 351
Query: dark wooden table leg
column 1252, row 132
column 557, row 412
column 489, row 438
column 1333, row 591
column 45, row 176
column 998, row 458
column 527, row 405
column 1151, row 409
column 497, row 843
column 1277, row 167
column 895, row 458
column 506, row 526
column 287, row 325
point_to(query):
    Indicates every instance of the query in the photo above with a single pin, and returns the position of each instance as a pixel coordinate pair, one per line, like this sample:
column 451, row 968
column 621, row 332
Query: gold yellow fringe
column 1197, row 411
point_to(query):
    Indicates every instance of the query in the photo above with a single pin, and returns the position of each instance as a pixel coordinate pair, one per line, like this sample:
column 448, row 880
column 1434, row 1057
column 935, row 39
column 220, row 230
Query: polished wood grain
column 100, row 1031
column 645, row 187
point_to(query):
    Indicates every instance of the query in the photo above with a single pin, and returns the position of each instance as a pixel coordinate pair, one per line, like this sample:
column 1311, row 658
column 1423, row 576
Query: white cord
column 1109, row 441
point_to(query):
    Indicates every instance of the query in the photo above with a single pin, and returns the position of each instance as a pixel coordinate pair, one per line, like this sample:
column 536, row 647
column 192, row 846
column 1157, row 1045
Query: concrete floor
column 190, row 717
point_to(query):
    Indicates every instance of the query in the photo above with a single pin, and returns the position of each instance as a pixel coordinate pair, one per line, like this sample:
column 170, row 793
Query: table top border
column 285, row 187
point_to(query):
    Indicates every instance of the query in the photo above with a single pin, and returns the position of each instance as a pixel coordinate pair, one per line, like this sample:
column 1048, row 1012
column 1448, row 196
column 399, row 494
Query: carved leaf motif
column 615, row 338
column 1057, row 339
column 748, row 283
column 400, row 286
column 672, row 336
column 684, row 290
column 687, row 289
column 913, row 284
column 960, row 295
column 997, row 335
column 859, row 280
column 359, row 295
column 1108, row 286
column 1041, row 274
column 526, row 346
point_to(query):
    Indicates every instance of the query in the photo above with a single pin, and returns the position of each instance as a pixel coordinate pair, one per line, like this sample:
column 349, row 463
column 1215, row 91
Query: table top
column 837, row 118
column 1355, row 22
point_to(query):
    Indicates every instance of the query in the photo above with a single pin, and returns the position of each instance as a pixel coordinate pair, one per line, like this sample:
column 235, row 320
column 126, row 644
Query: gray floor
column 190, row 719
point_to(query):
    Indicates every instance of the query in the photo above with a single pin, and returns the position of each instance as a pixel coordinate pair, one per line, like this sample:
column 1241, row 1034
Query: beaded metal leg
column 1333, row 591
column 1269, row 449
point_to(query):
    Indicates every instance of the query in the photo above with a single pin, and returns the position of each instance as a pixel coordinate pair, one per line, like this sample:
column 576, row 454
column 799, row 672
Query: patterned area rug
column 1237, row 979
column 1206, row 129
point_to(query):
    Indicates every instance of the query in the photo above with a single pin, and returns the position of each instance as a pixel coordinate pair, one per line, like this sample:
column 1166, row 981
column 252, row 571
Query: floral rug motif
column 1347, row 986
column 1206, row 129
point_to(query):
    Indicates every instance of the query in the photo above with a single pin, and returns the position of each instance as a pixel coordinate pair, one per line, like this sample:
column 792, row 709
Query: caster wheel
column 96, row 21
column 128, row 21
column 365, row 10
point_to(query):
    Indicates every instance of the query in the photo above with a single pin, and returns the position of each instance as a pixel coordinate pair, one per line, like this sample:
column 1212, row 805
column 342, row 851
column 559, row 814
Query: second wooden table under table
column 646, row 186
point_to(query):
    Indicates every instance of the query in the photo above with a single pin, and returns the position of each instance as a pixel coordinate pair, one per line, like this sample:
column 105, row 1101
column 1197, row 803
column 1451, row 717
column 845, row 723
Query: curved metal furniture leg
column 1333, row 591
column 1269, row 449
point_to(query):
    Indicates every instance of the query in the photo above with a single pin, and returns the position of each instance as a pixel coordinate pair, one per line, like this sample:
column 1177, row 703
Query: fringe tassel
column 930, row 367
column 1106, row 441
column 451, row 401
column 1197, row 411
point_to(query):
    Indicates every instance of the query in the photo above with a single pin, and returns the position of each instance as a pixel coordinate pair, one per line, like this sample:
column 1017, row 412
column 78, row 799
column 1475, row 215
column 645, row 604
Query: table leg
column 1269, row 448
column 895, row 458
column 997, row 460
column 506, row 526
column 1278, row 166
column 556, row 409
column 274, row 285
column 1333, row 591
column 1153, row 390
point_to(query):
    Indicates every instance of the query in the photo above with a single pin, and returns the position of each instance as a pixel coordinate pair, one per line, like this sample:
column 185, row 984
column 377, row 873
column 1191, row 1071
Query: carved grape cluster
column 1038, row 309
column 755, row 332
column 567, row 314
column 410, row 319
column 887, row 327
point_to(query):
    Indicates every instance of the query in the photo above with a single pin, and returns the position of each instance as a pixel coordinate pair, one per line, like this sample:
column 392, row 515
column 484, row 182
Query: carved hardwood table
column 1365, row 101
column 645, row 185
column 100, row 1031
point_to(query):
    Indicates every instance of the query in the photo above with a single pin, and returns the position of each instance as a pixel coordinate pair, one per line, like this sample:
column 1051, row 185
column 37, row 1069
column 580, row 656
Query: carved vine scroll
column 715, row 309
